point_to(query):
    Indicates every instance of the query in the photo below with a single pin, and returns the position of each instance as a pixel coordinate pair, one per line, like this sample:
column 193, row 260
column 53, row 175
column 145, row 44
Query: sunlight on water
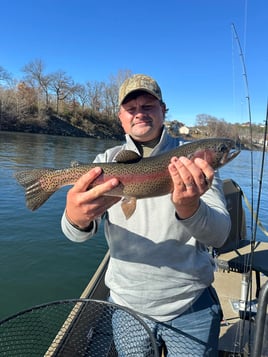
column 240, row 171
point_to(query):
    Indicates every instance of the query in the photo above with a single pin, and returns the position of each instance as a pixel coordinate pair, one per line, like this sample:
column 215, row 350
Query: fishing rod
column 247, row 292
column 249, row 114
column 254, row 216
column 261, row 173
column 262, row 306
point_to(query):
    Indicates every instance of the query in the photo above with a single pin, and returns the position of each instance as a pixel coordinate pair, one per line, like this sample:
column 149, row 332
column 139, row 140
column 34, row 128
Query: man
column 159, row 262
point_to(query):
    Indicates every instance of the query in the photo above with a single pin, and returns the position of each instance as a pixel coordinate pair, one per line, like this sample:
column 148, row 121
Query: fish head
column 216, row 151
column 226, row 151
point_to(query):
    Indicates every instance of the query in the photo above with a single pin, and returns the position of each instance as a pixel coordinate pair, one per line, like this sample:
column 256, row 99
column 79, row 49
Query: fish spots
column 139, row 178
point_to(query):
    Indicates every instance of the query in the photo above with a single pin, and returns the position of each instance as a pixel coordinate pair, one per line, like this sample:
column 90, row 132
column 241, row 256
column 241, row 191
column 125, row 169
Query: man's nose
column 140, row 111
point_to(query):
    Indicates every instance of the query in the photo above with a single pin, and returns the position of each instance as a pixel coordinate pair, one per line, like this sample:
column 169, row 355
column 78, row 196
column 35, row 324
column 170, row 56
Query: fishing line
column 245, row 26
column 258, row 205
column 261, row 174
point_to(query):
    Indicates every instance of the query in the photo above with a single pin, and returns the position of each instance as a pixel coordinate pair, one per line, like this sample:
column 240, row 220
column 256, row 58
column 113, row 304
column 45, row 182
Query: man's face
column 142, row 117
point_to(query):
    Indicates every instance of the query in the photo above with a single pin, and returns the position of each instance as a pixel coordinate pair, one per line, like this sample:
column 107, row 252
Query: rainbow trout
column 139, row 177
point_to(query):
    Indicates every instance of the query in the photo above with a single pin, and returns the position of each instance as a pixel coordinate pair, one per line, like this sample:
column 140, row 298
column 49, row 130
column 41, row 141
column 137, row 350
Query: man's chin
column 142, row 130
column 145, row 135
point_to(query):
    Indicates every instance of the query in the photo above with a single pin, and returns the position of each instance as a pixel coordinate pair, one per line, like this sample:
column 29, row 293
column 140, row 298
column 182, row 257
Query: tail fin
column 35, row 195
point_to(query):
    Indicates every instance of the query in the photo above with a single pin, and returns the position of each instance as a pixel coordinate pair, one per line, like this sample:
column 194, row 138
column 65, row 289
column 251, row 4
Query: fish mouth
column 233, row 153
column 228, row 156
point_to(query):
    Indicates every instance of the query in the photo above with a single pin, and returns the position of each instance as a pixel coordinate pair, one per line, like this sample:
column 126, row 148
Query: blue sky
column 188, row 46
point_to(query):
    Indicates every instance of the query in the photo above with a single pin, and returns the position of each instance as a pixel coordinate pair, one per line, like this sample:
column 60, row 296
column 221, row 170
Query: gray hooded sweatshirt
column 159, row 264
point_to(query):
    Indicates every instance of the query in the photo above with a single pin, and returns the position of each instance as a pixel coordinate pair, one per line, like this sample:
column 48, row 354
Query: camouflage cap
column 139, row 82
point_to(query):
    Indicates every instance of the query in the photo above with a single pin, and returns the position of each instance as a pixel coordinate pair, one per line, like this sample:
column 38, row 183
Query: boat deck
column 235, row 331
column 77, row 329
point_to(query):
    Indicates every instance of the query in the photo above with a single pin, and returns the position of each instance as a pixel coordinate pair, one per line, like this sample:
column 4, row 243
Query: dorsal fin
column 127, row 157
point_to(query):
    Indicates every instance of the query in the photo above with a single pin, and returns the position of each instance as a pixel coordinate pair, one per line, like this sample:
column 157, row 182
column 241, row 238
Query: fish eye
column 222, row 148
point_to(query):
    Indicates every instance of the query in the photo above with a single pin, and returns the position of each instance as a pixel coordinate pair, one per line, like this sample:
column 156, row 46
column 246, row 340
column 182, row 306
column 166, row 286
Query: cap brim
column 139, row 90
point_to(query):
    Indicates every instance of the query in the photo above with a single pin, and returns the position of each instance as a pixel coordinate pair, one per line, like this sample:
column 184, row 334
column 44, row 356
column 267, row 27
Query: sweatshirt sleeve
column 73, row 233
column 211, row 223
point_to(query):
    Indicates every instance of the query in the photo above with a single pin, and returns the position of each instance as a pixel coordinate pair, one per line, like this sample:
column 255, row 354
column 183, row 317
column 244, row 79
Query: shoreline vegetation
column 54, row 104
column 55, row 125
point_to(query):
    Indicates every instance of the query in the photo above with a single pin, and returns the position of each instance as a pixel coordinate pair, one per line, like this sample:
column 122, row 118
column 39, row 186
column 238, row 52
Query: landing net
column 80, row 327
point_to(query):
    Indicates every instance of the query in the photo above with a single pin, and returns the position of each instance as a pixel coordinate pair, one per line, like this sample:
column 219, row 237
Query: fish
column 138, row 177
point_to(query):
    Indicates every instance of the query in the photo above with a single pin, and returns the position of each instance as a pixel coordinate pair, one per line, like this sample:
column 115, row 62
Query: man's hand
column 191, row 180
column 83, row 205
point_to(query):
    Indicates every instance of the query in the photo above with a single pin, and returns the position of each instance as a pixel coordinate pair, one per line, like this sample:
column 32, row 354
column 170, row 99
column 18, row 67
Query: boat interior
column 84, row 326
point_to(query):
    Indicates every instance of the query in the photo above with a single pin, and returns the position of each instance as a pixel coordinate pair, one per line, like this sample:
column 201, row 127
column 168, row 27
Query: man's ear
column 118, row 115
column 164, row 108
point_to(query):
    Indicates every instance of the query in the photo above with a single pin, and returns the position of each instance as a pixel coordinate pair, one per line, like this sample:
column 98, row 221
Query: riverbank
column 52, row 124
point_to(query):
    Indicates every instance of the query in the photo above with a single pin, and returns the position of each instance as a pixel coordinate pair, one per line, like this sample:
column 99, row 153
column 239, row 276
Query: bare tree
column 26, row 99
column 213, row 126
column 95, row 95
column 80, row 92
column 120, row 77
column 111, row 99
column 5, row 77
column 62, row 85
column 37, row 79
column 112, row 89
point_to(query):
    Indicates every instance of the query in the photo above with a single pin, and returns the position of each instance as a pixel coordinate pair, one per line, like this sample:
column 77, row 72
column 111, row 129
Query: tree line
column 39, row 93
column 43, row 102
column 245, row 133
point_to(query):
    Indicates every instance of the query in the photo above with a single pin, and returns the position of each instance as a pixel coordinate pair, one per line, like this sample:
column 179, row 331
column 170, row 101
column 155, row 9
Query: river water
column 37, row 263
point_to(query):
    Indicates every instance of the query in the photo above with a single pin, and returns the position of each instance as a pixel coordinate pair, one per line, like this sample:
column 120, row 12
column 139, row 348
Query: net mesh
column 80, row 327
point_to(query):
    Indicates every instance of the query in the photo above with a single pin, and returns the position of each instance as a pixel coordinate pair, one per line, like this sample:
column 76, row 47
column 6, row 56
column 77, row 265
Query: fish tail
column 31, row 180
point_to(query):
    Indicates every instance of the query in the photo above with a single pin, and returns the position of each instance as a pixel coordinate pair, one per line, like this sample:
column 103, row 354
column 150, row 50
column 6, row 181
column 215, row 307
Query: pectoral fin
column 128, row 206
